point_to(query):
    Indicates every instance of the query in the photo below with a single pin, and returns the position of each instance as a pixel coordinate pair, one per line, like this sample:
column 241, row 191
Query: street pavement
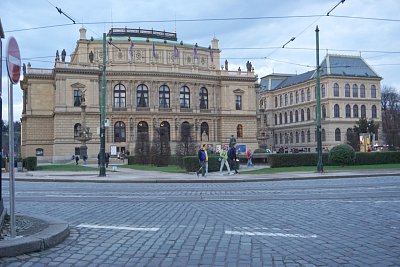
column 55, row 235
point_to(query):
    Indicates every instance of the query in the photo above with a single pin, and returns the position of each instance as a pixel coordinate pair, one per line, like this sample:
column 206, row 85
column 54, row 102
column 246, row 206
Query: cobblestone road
column 340, row 222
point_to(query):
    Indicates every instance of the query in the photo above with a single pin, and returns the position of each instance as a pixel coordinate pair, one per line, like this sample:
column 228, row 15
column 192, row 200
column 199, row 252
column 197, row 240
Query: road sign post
column 13, row 61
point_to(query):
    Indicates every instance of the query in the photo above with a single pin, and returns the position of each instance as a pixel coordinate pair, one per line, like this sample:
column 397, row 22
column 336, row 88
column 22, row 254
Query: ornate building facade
column 350, row 89
column 152, row 81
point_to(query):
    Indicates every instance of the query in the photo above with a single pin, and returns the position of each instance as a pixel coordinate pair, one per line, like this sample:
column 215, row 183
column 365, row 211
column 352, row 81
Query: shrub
column 368, row 158
column 259, row 150
column 30, row 163
column 293, row 160
column 342, row 154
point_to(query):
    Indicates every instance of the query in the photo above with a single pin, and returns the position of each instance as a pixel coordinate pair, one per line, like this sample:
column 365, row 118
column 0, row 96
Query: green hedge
column 293, row 160
column 369, row 158
column 30, row 163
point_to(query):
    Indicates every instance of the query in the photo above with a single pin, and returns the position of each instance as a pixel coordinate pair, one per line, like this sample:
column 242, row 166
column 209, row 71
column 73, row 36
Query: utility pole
column 320, row 167
column 103, row 113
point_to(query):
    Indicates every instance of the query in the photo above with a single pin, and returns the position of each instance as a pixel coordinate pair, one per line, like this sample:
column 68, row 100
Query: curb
column 56, row 232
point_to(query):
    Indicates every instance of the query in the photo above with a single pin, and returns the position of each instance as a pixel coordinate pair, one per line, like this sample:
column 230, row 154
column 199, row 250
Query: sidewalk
column 56, row 231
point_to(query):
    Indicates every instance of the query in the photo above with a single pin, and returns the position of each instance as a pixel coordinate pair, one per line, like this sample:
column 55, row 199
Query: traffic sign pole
column 13, row 59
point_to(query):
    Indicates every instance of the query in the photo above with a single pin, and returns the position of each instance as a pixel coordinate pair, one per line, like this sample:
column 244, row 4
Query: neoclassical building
column 350, row 89
column 152, row 81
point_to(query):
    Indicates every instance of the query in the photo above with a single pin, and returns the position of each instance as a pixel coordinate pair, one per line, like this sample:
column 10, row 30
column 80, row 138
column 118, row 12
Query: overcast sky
column 253, row 30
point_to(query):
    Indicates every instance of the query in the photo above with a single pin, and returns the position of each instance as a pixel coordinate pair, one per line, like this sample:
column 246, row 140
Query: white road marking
column 269, row 234
column 94, row 226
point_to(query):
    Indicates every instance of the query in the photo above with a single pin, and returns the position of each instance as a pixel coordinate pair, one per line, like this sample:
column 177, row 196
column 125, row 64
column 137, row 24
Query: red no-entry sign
column 13, row 59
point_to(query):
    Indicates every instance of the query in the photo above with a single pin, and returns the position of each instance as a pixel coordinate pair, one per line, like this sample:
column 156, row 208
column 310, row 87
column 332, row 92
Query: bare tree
column 186, row 145
column 160, row 150
column 142, row 148
column 390, row 100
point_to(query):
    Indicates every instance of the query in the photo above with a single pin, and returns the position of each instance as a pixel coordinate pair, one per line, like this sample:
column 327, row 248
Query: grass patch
column 169, row 168
column 64, row 167
column 327, row 168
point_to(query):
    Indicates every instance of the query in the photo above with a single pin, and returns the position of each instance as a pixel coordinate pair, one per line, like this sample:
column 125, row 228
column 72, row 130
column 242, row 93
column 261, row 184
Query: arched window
column 347, row 90
column 296, row 116
column 280, row 138
column 302, row 95
column 349, row 135
column 362, row 91
column 204, row 129
column 119, row 96
column 303, row 137
column 280, row 100
column 142, row 96
column 323, row 91
column 184, row 97
column 142, row 131
column 323, row 135
column 336, row 89
column 203, row 98
column 286, row 138
column 77, row 129
column 297, row 97
column 336, row 111
column 186, row 132
column 285, row 117
column 363, row 111
column 308, row 136
column 308, row 94
column 355, row 111
column 280, row 118
column 374, row 113
column 297, row 137
column 286, row 99
column 291, row 137
column 119, row 132
column 276, row 101
column 291, row 116
column 308, row 114
column 373, row 91
column 276, row 119
column 165, row 130
column 163, row 96
column 323, row 111
column 302, row 114
column 348, row 111
column 337, row 135
column 355, row 90
column 239, row 131
column 291, row 98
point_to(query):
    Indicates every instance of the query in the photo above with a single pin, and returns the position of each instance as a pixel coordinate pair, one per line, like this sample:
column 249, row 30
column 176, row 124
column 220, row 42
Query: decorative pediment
column 238, row 91
column 78, row 85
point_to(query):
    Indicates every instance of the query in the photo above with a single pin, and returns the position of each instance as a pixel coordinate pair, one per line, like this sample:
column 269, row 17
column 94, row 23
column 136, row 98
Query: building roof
column 333, row 65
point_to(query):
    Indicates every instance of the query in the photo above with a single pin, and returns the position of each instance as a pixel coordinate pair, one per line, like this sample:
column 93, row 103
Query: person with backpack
column 232, row 158
column 224, row 161
column 202, row 160
column 249, row 156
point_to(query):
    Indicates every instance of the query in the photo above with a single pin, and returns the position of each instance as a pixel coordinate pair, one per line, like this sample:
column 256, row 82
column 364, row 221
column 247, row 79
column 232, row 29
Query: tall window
column 286, row 99
column 296, row 116
column 347, row 90
column 291, row 116
column 363, row 111
column 308, row 114
column 276, row 101
column 142, row 131
column 374, row 113
column 362, row 91
column 323, row 111
column 77, row 97
column 184, row 97
column 238, row 101
column 142, row 93
column 373, row 91
column 165, row 129
column 291, row 98
column 303, row 137
column 285, row 119
column 302, row 95
column 280, row 100
column 323, row 135
column 239, row 131
column 276, row 119
column 163, row 96
column 355, row 90
column 77, row 129
column 336, row 89
column 336, row 111
column 348, row 111
column 297, row 137
column 308, row 136
column 203, row 98
column 297, row 97
column 308, row 94
column 280, row 118
column 355, row 111
column 291, row 137
column 119, row 95
column 119, row 132
column 323, row 91
column 337, row 135
column 302, row 114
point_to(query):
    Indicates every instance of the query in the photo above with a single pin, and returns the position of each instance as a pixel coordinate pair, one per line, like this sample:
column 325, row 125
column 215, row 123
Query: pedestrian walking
column 77, row 159
column 107, row 159
column 232, row 158
column 224, row 161
column 206, row 163
column 249, row 156
column 202, row 160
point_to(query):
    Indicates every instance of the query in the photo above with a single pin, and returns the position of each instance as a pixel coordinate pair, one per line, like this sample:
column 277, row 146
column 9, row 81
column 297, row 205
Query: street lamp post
column 320, row 167
column 103, row 113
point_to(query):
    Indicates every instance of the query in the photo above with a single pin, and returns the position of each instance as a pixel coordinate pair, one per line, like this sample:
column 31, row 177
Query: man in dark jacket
column 202, row 161
column 232, row 158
